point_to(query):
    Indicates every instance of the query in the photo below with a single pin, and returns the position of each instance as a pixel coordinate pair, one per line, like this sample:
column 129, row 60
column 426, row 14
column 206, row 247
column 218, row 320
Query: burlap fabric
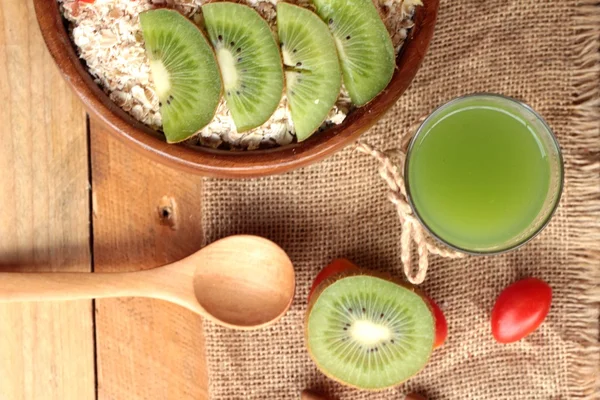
column 543, row 52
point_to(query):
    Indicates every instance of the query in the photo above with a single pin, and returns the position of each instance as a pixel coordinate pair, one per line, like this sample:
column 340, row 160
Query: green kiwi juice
column 484, row 173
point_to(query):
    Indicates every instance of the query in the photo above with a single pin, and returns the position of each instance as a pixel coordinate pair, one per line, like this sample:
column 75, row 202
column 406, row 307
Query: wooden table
column 74, row 199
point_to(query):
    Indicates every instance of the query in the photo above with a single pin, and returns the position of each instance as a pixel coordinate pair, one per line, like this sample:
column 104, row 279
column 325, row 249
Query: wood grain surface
column 47, row 349
column 145, row 349
column 144, row 215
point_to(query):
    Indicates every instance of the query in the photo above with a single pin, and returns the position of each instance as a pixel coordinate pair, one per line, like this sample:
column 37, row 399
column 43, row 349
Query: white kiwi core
column 160, row 75
column 228, row 71
column 369, row 333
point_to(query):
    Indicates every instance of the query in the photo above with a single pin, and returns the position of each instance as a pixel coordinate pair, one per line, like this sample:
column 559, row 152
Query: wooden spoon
column 241, row 282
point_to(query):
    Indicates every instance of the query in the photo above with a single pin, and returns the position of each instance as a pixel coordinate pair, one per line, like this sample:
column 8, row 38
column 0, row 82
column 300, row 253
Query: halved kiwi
column 249, row 60
column 368, row 332
column 312, row 71
column 364, row 46
column 184, row 70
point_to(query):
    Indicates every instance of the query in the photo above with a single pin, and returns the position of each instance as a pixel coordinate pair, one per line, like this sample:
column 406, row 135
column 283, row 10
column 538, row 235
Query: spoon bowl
column 240, row 296
column 241, row 282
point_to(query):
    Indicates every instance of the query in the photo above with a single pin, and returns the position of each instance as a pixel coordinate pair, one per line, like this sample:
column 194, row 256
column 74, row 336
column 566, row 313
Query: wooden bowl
column 223, row 163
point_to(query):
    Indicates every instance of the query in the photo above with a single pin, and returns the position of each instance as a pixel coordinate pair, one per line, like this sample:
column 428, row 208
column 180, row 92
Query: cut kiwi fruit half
column 312, row 70
column 184, row 70
column 367, row 331
column 363, row 44
column 249, row 60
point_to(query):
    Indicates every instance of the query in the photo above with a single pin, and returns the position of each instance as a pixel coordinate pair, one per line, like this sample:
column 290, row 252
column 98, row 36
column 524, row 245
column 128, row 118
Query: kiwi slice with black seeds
column 364, row 46
column 369, row 332
column 312, row 71
column 184, row 70
column 249, row 60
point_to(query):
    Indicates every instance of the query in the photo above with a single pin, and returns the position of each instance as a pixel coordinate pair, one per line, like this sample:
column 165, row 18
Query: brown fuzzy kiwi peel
column 361, row 272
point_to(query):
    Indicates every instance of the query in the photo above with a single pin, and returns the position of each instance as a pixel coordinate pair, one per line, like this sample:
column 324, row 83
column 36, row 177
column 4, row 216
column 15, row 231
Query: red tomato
column 441, row 326
column 335, row 267
column 520, row 309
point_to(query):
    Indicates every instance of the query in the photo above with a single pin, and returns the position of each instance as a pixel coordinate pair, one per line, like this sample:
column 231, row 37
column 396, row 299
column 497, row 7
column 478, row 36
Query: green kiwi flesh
column 368, row 332
column 249, row 60
column 312, row 71
column 184, row 71
column 364, row 46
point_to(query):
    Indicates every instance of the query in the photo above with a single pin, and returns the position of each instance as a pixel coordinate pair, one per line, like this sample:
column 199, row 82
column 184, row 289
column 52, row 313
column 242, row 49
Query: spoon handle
column 17, row 286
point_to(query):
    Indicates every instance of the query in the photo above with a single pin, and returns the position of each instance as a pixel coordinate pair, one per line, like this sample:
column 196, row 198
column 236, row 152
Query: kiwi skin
column 359, row 272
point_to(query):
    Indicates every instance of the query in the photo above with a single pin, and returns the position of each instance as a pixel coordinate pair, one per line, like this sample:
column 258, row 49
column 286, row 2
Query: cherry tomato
column 441, row 326
column 520, row 309
column 335, row 267
column 86, row 1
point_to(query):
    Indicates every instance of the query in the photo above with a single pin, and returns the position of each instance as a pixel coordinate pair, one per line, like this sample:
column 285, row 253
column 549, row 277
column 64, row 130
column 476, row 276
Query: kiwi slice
column 368, row 332
column 364, row 46
column 249, row 60
column 312, row 71
column 184, row 70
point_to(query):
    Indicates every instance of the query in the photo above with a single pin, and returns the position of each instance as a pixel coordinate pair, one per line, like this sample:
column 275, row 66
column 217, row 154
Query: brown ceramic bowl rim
column 224, row 163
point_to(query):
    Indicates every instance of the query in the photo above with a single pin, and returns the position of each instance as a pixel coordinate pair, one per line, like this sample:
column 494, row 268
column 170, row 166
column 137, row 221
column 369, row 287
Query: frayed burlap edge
column 583, row 177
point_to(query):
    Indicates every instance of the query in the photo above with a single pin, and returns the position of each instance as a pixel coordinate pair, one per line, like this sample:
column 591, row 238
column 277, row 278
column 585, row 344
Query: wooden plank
column 145, row 215
column 47, row 349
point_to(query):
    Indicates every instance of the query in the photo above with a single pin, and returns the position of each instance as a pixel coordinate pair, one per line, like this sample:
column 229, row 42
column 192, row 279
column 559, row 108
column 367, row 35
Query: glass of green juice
column 484, row 173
